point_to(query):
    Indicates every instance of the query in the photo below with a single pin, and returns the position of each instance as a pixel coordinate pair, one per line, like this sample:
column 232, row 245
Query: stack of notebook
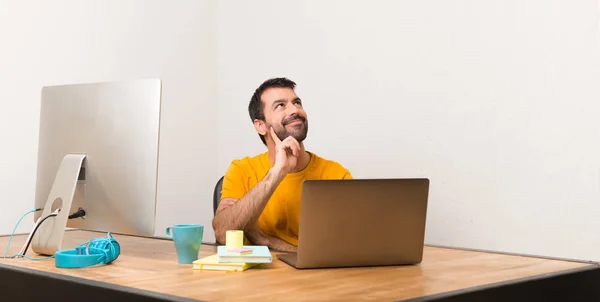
column 235, row 260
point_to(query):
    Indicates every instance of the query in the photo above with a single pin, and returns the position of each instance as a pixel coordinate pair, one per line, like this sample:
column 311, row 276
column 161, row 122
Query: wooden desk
column 150, row 265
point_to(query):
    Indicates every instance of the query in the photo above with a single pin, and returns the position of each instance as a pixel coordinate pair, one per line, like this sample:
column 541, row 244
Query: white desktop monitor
column 98, row 144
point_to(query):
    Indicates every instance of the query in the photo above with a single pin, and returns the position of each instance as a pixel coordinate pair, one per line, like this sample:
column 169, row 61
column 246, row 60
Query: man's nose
column 292, row 110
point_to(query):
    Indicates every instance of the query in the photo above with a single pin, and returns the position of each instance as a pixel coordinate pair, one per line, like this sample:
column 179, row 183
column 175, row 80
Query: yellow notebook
column 212, row 263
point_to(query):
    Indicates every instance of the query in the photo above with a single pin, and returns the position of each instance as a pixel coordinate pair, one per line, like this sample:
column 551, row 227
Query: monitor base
column 49, row 236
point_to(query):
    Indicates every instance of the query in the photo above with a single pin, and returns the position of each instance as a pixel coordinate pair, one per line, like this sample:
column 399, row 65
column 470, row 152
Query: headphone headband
column 93, row 252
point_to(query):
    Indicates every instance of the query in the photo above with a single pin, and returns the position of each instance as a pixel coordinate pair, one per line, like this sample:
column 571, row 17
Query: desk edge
column 95, row 283
column 538, row 277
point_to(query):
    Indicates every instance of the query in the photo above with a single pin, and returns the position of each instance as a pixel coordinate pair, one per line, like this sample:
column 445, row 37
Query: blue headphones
column 93, row 252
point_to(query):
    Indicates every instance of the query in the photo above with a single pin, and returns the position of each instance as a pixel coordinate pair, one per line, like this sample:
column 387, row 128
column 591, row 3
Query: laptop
column 360, row 222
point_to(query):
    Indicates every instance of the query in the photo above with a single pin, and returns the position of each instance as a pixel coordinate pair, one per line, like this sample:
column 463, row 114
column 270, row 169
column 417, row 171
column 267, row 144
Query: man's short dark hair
column 256, row 106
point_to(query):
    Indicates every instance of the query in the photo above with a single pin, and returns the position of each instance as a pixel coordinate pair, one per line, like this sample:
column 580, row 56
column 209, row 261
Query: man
column 261, row 194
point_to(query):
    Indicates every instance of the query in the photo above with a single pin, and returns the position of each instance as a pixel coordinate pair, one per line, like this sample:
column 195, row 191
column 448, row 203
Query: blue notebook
column 259, row 254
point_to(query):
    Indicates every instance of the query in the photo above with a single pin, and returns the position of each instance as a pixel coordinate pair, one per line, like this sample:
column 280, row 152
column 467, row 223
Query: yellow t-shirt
column 281, row 216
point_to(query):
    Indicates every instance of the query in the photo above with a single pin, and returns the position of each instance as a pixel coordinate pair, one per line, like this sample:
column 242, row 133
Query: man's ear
column 260, row 127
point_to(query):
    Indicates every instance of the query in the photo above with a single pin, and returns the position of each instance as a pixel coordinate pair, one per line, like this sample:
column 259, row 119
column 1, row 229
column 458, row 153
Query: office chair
column 217, row 194
column 217, row 197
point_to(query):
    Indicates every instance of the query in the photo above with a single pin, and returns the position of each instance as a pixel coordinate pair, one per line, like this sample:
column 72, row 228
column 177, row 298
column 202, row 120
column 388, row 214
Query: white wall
column 494, row 101
column 60, row 42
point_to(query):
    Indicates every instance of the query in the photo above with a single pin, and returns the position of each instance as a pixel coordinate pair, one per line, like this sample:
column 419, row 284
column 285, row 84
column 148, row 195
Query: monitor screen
column 103, row 138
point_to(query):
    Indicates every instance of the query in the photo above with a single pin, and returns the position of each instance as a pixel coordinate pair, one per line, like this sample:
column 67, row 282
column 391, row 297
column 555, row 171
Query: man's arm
column 242, row 214
column 258, row 237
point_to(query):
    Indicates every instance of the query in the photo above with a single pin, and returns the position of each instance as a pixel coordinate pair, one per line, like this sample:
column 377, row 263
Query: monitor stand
column 49, row 235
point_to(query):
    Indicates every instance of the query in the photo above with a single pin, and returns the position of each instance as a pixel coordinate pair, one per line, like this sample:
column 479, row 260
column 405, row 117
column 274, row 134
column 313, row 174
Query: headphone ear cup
column 117, row 250
column 96, row 251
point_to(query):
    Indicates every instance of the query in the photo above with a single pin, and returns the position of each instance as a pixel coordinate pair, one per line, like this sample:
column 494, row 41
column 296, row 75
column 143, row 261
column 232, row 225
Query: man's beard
column 298, row 131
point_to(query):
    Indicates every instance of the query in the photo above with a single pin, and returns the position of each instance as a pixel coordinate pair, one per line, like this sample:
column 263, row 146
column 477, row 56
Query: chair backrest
column 217, row 194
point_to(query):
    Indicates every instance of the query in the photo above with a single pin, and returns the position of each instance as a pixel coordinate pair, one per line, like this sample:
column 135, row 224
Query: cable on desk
column 31, row 258
column 15, row 229
column 35, row 229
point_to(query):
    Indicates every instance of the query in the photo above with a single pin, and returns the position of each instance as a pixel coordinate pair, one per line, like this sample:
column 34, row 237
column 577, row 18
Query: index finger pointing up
column 274, row 137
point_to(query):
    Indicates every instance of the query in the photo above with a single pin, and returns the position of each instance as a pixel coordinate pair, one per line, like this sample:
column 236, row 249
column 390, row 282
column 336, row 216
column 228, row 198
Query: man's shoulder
column 250, row 162
column 242, row 174
column 330, row 166
column 330, row 163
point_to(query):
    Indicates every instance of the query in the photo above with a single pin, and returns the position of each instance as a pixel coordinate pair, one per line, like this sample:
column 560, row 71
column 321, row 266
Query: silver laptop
column 360, row 222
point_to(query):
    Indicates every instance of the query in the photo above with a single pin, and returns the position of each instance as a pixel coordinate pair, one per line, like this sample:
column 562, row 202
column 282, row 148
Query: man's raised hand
column 286, row 152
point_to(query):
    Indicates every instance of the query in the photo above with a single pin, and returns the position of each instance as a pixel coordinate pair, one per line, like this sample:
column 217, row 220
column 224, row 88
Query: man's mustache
column 293, row 118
